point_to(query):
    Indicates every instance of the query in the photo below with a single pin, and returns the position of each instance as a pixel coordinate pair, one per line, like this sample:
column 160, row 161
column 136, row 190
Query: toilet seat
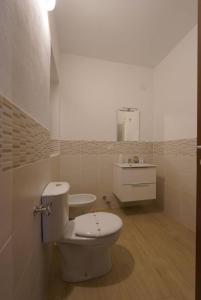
column 110, row 225
column 97, row 224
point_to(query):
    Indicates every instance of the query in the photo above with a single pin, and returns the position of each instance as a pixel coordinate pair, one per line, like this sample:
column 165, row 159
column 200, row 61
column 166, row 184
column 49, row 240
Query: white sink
column 133, row 165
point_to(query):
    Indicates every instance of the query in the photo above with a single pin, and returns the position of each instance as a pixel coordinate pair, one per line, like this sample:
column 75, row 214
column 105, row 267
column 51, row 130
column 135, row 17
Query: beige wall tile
column 107, row 160
column 23, row 244
column 172, row 205
column 55, row 168
column 70, row 171
column 33, row 280
column 188, row 210
column 6, row 210
column 6, row 272
column 69, row 163
column 188, row 175
column 89, row 161
column 160, row 191
column 28, row 184
column 172, row 171
column 106, row 179
column 89, row 180
column 25, row 186
column 176, row 180
column 74, row 179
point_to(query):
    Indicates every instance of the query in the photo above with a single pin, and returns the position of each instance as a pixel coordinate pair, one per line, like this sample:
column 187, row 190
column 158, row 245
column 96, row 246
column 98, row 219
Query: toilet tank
column 55, row 196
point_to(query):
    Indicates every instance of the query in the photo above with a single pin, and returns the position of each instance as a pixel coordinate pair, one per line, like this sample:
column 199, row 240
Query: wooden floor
column 153, row 260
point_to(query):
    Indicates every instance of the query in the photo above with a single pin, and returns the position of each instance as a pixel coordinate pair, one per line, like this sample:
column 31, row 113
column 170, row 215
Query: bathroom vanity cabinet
column 134, row 182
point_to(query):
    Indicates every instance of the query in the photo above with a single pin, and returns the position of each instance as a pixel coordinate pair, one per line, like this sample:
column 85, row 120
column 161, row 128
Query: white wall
column 54, row 111
column 175, row 92
column 54, row 37
column 24, row 66
column 54, row 83
column 91, row 92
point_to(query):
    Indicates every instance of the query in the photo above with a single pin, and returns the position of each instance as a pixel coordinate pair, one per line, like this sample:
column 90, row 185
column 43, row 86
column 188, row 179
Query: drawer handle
column 140, row 184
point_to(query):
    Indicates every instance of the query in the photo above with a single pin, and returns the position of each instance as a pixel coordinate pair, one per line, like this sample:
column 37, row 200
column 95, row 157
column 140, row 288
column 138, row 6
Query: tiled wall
column 22, row 139
column 54, row 147
column 100, row 148
column 176, row 179
column 25, row 169
column 88, row 166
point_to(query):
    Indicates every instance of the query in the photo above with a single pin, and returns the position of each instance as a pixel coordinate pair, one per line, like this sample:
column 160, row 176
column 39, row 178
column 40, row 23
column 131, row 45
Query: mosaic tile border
column 22, row 139
column 54, row 147
column 178, row 147
column 172, row 147
column 103, row 147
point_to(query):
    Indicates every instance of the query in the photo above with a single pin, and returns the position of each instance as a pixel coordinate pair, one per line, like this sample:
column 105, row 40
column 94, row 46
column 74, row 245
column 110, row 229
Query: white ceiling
column 140, row 32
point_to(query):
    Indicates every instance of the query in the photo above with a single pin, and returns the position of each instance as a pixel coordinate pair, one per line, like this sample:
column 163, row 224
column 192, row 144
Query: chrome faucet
column 43, row 210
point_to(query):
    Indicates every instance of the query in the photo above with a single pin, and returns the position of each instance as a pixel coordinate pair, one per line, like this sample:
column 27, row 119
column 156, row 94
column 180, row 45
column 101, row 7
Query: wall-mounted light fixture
column 50, row 4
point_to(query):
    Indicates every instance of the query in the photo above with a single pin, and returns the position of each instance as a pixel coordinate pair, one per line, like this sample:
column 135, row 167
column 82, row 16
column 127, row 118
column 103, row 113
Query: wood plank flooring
column 154, row 259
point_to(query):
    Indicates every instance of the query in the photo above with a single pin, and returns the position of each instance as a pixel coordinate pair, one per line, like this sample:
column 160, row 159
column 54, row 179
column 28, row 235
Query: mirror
column 128, row 124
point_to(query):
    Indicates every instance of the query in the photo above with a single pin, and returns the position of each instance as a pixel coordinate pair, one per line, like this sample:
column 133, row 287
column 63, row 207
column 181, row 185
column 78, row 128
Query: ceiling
column 139, row 32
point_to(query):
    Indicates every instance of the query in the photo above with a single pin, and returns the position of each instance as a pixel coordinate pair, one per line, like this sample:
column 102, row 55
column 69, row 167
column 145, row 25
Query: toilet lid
column 98, row 224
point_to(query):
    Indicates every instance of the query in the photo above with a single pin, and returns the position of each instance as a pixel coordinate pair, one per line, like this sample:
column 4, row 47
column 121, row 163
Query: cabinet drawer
column 137, row 192
column 138, row 175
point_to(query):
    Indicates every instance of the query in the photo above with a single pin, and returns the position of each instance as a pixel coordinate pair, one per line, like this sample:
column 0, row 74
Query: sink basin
column 133, row 165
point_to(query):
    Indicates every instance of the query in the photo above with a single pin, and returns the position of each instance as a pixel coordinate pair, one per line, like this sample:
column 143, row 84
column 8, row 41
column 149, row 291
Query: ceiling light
column 50, row 4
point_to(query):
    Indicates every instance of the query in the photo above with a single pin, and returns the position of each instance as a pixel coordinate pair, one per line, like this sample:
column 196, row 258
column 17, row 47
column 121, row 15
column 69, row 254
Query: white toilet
column 85, row 242
column 80, row 204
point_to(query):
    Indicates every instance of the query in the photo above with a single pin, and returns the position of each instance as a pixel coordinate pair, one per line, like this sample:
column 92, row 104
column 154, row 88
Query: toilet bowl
column 85, row 242
column 86, row 246
column 80, row 204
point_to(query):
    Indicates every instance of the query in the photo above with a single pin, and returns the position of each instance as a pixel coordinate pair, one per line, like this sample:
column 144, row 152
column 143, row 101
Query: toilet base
column 81, row 263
